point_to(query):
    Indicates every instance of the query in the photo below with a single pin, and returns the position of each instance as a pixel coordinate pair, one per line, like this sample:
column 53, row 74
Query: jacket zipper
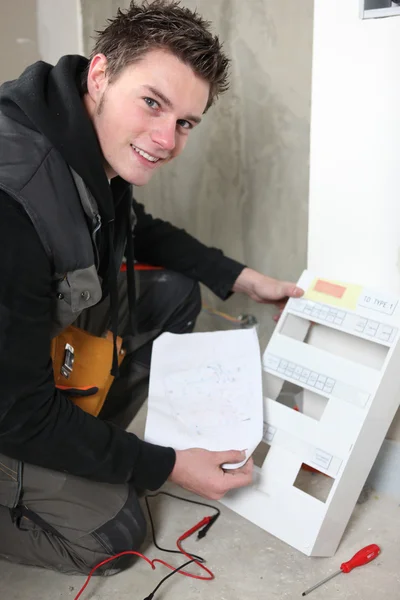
column 95, row 230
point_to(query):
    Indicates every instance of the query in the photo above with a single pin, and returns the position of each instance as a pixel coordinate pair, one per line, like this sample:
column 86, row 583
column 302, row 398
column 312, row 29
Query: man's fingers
column 246, row 468
column 281, row 304
column 282, row 291
column 201, row 471
column 290, row 290
column 230, row 456
column 239, row 479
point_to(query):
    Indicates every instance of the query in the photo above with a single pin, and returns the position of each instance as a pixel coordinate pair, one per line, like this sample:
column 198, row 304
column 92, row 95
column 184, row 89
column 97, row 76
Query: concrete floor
column 248, row 563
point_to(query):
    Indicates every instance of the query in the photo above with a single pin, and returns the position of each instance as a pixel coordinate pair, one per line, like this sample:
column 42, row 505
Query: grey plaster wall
column 18, row 37
column 242, row 182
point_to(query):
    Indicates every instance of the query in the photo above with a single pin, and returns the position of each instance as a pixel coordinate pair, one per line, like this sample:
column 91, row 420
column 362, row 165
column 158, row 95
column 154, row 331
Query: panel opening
column 338, row 343
column 260, row 454
column 304, row 401
column 313, row 482
column 374, row 4
column 379, row 8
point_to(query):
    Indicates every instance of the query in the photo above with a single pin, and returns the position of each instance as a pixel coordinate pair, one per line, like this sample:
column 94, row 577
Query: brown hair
column 162, row 24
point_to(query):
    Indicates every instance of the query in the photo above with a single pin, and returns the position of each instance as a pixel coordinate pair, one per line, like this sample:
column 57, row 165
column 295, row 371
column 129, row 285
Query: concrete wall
column 59, row 28
column 354, row 220
column 242, row 182
column 32, row 30
column 18, row 37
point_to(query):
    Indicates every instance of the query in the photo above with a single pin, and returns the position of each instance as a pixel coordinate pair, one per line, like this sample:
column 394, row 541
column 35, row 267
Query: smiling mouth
column 149, row 157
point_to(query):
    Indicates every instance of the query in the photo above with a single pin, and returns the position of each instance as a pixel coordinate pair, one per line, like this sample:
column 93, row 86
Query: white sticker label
column 269, row 432
column 382, row 303
column 323, row 459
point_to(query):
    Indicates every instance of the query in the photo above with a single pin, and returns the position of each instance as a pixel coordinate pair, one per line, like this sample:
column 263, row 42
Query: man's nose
column 164, row 134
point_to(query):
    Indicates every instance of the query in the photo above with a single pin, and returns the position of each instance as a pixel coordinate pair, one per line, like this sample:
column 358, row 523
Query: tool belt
column 81, row 365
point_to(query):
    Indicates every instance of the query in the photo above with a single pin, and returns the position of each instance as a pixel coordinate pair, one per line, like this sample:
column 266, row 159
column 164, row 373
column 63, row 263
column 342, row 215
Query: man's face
column 143, row 118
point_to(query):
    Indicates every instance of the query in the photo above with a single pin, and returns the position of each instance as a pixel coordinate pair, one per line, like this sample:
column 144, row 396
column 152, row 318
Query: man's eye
column 185, row 124
column 151, row 103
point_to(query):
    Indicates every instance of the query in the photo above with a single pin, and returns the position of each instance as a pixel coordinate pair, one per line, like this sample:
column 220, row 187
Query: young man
column 75, row 137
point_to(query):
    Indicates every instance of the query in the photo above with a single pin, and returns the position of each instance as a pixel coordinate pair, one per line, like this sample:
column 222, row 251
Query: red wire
column 185, row 535
column 188, row 533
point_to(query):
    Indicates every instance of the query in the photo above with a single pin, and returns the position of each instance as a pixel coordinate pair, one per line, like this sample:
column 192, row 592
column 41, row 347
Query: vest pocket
column 74, row 292
column 85, row 289
column 62, row 314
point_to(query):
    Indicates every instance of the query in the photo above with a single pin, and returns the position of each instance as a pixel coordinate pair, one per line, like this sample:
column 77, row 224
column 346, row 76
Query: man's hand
column 200, row 471
column 266, row 290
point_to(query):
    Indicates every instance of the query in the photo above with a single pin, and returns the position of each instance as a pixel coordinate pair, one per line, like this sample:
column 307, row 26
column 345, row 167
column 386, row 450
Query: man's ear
column 97, row 77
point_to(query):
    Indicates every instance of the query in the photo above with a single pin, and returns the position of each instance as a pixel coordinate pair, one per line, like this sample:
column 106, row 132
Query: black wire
column 194, row 558
column 169, row 575
column 184, row 500
column 218, row 512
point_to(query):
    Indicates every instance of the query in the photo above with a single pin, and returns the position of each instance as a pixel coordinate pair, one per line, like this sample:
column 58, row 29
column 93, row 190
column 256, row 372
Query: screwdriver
column 362, row 557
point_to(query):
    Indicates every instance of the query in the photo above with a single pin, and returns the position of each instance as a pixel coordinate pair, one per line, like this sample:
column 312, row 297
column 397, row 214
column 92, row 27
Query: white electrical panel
column 338, row 346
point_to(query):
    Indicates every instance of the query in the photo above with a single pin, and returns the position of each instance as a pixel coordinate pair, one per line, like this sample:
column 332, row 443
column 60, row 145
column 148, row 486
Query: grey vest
column 63, row 212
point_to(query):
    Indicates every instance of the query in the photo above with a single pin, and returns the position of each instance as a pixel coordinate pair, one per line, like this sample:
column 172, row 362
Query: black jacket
column 38, row 424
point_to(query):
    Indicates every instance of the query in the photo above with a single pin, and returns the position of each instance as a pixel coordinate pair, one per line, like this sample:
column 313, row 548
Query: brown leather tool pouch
column 82, row 363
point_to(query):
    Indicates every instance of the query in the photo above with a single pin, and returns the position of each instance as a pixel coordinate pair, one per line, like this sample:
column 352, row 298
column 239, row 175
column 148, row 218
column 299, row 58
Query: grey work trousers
column 55, row 520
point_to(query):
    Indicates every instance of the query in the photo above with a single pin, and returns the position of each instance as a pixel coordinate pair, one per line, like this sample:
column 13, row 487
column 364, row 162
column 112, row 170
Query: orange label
column 331, row 289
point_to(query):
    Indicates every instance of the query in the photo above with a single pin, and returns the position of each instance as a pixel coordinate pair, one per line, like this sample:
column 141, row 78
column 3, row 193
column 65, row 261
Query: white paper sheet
column 206, row 391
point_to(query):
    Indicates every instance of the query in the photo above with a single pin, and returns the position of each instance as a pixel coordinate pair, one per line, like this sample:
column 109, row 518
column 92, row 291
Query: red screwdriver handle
column 362, row 557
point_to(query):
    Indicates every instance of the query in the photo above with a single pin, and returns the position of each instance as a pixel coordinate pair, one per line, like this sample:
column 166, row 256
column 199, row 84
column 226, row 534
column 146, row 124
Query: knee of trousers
column 125, row 531
column 186, row 295
column 184, row 291
column 195, row 299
